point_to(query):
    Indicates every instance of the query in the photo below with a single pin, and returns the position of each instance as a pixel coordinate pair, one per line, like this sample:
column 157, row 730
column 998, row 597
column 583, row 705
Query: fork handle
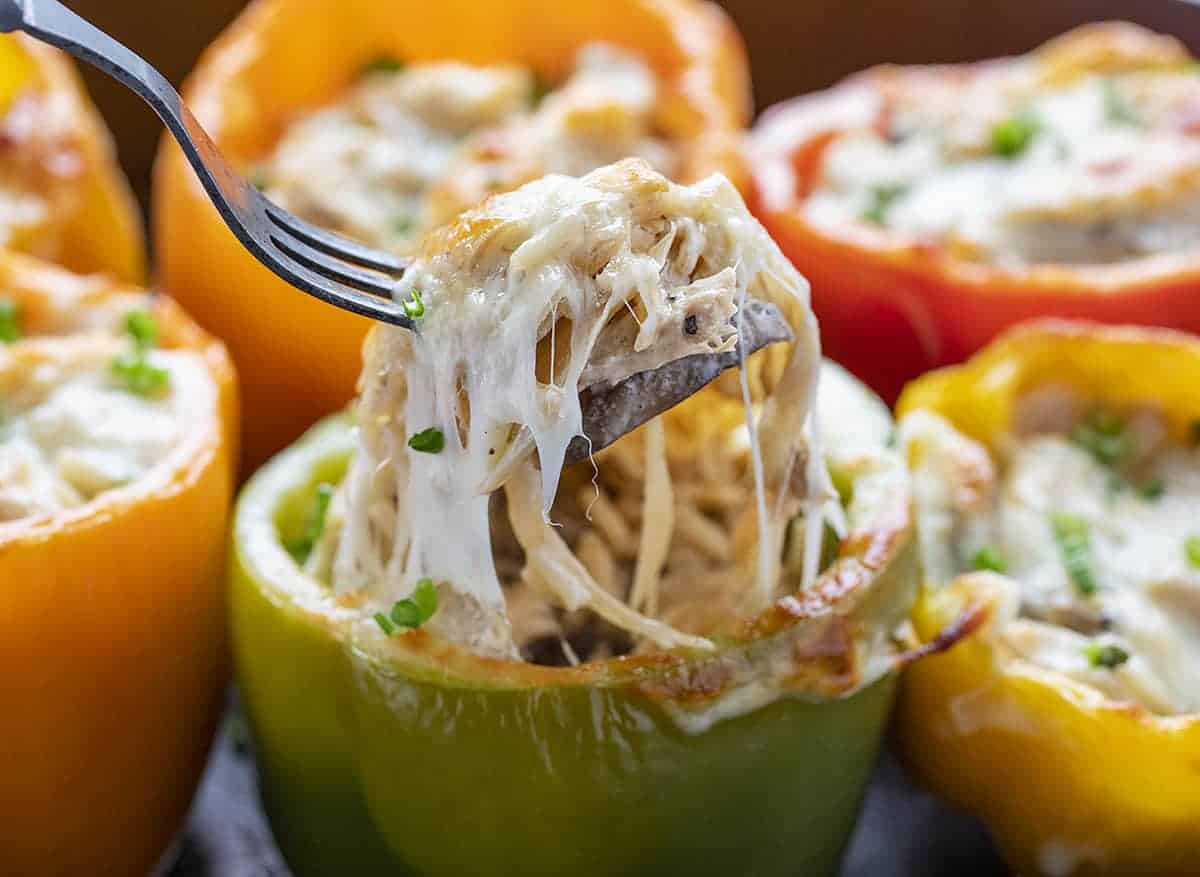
column 53, row 23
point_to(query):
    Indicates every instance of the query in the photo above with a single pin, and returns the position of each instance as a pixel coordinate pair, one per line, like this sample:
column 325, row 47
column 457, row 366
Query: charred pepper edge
column 420, row 655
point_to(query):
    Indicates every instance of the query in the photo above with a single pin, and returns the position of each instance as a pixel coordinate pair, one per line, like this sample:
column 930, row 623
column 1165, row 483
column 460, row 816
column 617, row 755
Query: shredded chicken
column 560, row 285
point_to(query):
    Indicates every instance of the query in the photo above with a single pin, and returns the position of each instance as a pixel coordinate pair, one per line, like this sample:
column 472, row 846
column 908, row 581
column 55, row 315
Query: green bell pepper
column 404, row 755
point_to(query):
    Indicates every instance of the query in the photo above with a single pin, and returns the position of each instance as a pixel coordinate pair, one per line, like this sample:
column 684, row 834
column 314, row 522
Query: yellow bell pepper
column 1067, row 780
column 58, row 160
column 112, row 614
column 298, row 358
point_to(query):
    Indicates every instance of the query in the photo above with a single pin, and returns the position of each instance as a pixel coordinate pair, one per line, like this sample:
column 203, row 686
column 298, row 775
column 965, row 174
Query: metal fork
column 325, row 265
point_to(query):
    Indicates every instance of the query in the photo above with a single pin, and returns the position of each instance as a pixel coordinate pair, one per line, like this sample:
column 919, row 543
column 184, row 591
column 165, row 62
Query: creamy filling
column 73, row 428
column 1092, row 519
column 1020, row 161
column 563, row 284
column 410, row 147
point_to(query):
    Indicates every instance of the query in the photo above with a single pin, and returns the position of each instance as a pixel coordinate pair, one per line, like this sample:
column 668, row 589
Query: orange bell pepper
column 112, row 614
column 55, row 149
column 1068, row 781
column 892, row 307
column 299, row 359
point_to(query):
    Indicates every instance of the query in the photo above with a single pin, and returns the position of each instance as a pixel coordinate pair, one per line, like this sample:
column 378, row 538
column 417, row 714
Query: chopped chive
column 314, row 523
column 142, row 326
column 882, row 198
column 1114, row 484
column 538, row 91
column 1108, row 655
column 385, row 623
column 402, row 223
column 415, row 610
column 1073, row 535
column 138, row 375
column 1117, row 108
column 1191, row 547
column 1012, row 136
column 383, row 64
column 892, row 440
column 1103, row 435
column 10, row 326
column 1152, row 489
column 413, row 305
column 428, row 441
column 988, row 557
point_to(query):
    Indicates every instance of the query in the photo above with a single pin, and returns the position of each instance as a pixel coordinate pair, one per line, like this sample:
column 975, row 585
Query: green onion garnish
column 385, row 623
column 1152, row 489
column 10, row 326
column 1102, row 434
column 1012, row 136
column 1191, row 547
column 882, row 198
column 1073, row 535
column 428, row 441
column 538, row 91
column 141, row 325
column 412, row 611
column 1117, row 108
column 138, row 375
column 402, row 223
column 988, row 557
column 1108, row 656
column 383, row 64
column 314, row 523
column 414, row 306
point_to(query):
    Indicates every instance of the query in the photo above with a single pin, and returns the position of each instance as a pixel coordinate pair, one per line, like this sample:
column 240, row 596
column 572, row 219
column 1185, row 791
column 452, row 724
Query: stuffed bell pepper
column 414, row 112
column 116, row 468
column 931, row 207
column 460, row 656
column 62, row 195
column 1057, row 477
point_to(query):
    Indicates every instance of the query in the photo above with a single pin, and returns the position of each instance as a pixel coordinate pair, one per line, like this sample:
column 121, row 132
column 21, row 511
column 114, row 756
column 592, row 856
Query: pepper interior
column 1088, row 510
column 673, row 535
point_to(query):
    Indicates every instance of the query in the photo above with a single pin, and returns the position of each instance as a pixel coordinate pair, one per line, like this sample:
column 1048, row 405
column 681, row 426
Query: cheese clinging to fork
column 561, row 285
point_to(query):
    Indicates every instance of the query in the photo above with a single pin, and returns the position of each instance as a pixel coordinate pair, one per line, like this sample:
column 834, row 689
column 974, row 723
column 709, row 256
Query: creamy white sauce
column 1147, row 591
column 408, row 150
column 1111, row 171
column 71, row 432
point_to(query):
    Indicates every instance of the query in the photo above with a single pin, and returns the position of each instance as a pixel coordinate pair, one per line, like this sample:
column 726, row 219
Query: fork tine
column 333, row 244
column 327, row 266
column 324, row 288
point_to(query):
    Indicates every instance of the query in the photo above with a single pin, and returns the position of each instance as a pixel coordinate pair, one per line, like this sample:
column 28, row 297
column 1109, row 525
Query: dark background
column 795, row 45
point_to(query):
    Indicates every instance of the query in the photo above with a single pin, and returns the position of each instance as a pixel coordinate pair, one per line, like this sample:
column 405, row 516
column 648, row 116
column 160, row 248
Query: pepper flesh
column 379, row 753
column 112, row 628
column 1058, row 772
column 93, row 222
column 299, row 359
column 893, row 308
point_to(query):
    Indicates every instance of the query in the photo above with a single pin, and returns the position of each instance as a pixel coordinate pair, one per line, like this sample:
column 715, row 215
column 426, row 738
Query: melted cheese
column 563, row 284
column 71, row 432
column 1147, row 598
column 406, row 151
column 1110, row 171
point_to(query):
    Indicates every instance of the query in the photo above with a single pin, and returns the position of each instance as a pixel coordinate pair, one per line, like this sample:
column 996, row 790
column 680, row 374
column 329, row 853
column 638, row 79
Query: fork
column 327, row 266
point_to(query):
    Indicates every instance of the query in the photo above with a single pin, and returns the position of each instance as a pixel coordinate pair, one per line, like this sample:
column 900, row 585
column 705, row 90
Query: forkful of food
column 360, row 279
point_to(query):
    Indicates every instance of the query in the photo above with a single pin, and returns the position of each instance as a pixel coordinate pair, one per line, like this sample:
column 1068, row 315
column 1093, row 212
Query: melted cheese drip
column 604, row 270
